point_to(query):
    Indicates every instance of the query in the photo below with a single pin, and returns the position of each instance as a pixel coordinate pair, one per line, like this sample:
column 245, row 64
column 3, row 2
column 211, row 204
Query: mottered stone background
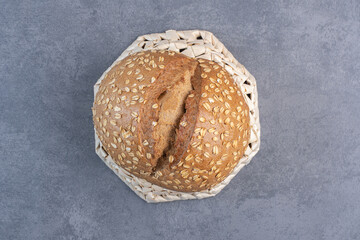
column 303, row 184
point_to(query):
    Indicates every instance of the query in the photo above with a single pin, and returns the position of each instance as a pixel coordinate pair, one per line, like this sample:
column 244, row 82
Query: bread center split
column 172, row 108
column 167, row 127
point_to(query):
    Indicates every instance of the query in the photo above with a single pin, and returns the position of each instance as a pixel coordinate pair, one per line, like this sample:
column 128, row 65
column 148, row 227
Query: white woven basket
column 197, row 44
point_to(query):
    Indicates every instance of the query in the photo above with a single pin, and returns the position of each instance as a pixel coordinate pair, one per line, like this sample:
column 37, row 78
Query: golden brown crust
column 210, row 139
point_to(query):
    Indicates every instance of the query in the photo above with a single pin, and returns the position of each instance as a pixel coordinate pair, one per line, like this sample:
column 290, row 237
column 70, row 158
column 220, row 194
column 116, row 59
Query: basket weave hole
column 104, row 151
column 247, row 82
column 142, row 45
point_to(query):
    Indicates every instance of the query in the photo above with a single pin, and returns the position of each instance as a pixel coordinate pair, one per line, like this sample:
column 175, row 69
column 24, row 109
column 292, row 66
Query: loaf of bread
column 178, row 122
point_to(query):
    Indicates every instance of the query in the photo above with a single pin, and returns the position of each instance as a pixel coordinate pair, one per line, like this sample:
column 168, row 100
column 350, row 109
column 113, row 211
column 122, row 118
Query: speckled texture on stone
column 303, row 184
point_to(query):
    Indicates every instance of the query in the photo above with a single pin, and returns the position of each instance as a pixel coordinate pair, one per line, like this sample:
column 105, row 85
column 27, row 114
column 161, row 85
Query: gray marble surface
column 303, row 184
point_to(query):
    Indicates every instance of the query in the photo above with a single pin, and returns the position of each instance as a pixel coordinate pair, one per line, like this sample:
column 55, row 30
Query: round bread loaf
column 178, row 122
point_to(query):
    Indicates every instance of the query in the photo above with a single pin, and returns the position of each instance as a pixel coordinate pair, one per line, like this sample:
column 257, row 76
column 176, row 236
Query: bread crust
column 210, row 138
